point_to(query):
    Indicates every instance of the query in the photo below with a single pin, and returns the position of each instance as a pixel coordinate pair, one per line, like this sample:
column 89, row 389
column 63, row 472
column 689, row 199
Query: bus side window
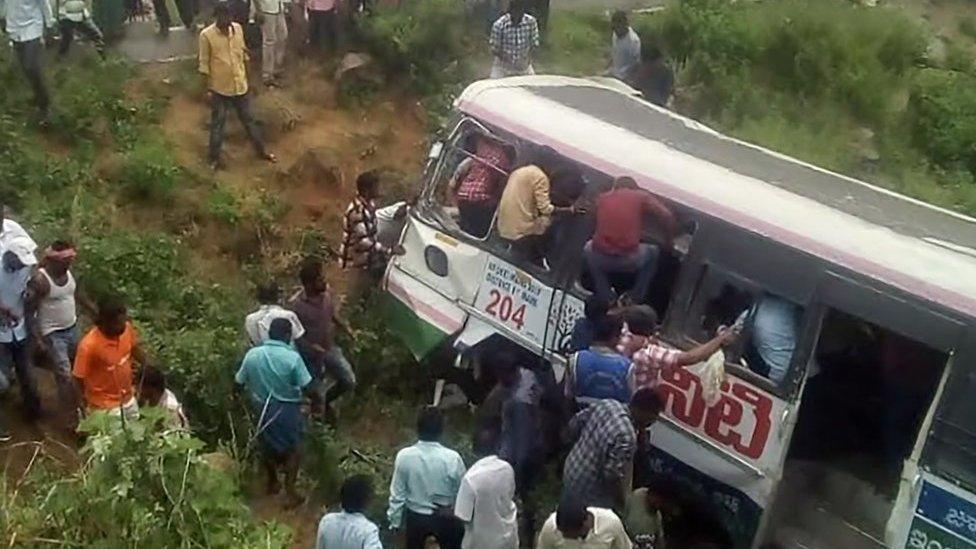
column 471, row 181
column 769, row 324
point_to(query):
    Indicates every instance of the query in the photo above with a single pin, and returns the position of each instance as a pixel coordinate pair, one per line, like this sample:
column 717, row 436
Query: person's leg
column 187, row 11
column 162, row 16
column 314, row 30
column 29, row 56
column 67, row 34
column 218, row 119
column 268, row 41
column 337, row 366
column 270, row 463
column 93, row 33
column 5, row 359
column 598, row 274
column 449, row 531
column 291, row 465
column 242, row 104
column 418, row 528
column 645, row 261
column 281, row 42
column 61, row 345
column 25, row 378
column 332, row 30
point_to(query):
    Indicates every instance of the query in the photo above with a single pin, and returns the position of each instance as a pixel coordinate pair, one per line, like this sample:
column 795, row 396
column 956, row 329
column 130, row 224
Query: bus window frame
column 679, row 318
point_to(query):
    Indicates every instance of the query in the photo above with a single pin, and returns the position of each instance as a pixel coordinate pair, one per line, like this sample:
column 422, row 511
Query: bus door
column 729, row 444
column 442, row 266
column 878, row 370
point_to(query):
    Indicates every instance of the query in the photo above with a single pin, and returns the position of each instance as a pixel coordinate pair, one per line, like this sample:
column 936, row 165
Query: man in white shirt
column 18, row 262
column 350, row 529
column 626, row 48
column 574, row 525
column 257, row 323
column 485, row 500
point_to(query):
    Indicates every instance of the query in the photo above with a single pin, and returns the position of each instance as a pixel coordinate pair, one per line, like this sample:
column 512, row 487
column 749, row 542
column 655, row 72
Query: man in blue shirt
column 26, row 21
column 350, row 529
column 774, row 323
column 274, row 376
column 426, row 478
column 599, row 372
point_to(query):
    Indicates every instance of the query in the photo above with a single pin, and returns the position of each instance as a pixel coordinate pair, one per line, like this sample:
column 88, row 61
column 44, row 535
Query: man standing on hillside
column 26, row 21
column 272, row 16
column 275, row 377
column 52, row 316
column 486, row 499
column 223, row 60
column 362, row 254
column 256, row 324
column 75, row 16
column 625, row 54
column 103, row 366
column 513, row 38
column 316, row 312
column 18, row 266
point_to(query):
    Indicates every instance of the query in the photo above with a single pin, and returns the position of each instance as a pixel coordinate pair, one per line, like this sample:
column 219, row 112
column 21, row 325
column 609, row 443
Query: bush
column 137, row 487
column 149, row 173
column 423, row 41
column 942, row 110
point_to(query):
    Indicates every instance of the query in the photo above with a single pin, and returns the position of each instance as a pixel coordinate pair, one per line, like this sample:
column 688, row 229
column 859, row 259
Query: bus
column 864, row 438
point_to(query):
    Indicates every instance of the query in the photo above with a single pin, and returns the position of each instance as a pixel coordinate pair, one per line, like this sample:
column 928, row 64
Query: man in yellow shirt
column 223, row 59
column 525, row 210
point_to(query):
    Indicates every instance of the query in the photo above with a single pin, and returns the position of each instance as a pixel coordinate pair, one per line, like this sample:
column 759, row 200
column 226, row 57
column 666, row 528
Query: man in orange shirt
column 103, row 365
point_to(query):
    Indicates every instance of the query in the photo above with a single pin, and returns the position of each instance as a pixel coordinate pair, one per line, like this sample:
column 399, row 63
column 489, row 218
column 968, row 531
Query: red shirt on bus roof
column 619, row 219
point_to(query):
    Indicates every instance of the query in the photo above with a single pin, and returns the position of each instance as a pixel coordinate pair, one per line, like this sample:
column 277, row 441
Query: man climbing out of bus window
column 654, row 356
column 595, row 308
column 526, row 209
column 616, row 248
column 604, row 435
column 774, row 324
column 513, row 39
column 361, row 254
column 478, row 190
column 599, row 372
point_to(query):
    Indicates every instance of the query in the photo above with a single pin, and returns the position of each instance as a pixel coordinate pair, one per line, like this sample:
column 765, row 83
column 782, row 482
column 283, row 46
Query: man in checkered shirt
column 513, row 38
column 599, row 468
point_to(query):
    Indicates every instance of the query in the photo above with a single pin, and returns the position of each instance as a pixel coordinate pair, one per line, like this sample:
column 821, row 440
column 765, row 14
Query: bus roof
column 924, row 250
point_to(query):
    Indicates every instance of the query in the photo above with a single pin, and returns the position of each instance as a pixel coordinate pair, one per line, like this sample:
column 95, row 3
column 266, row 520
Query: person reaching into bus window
column 525, row 211
column 654, row 356
column 616, row 247
column 477, row 190
column 599, row 372
column 361, row 252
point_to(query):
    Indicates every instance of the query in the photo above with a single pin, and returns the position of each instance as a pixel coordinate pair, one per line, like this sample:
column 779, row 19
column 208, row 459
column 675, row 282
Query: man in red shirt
column 616, row 247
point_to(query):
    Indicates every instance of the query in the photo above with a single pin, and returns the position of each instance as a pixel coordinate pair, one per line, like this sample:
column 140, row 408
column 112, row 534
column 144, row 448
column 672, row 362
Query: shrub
column 942, row 111
column 149, row 173
column 137, row 487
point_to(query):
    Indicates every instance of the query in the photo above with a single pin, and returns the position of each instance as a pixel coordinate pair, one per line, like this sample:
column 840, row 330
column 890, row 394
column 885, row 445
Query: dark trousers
column 186, row 8
column 531, row 248
column 88, row 28
column 641, row 263
column 475, row 217
column 16, row 354
column 29, row 57
column 445, row 528
column 220, row 104
column 323, row 30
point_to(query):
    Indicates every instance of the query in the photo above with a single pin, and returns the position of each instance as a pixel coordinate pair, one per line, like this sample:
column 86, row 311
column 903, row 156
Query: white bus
column 864, row 442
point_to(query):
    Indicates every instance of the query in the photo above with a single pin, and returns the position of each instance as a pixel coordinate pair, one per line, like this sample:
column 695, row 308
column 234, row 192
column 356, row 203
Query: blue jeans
column 338, row 367
column 62, row 345
column 642, row 263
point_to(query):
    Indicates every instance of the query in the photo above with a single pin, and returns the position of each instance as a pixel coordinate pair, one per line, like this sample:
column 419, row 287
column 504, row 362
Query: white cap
column 21, row 247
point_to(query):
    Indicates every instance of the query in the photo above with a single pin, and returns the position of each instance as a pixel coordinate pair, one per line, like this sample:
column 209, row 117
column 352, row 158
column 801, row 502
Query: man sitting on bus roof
column 599, row 372
column 526, row 209
column 616, row 247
